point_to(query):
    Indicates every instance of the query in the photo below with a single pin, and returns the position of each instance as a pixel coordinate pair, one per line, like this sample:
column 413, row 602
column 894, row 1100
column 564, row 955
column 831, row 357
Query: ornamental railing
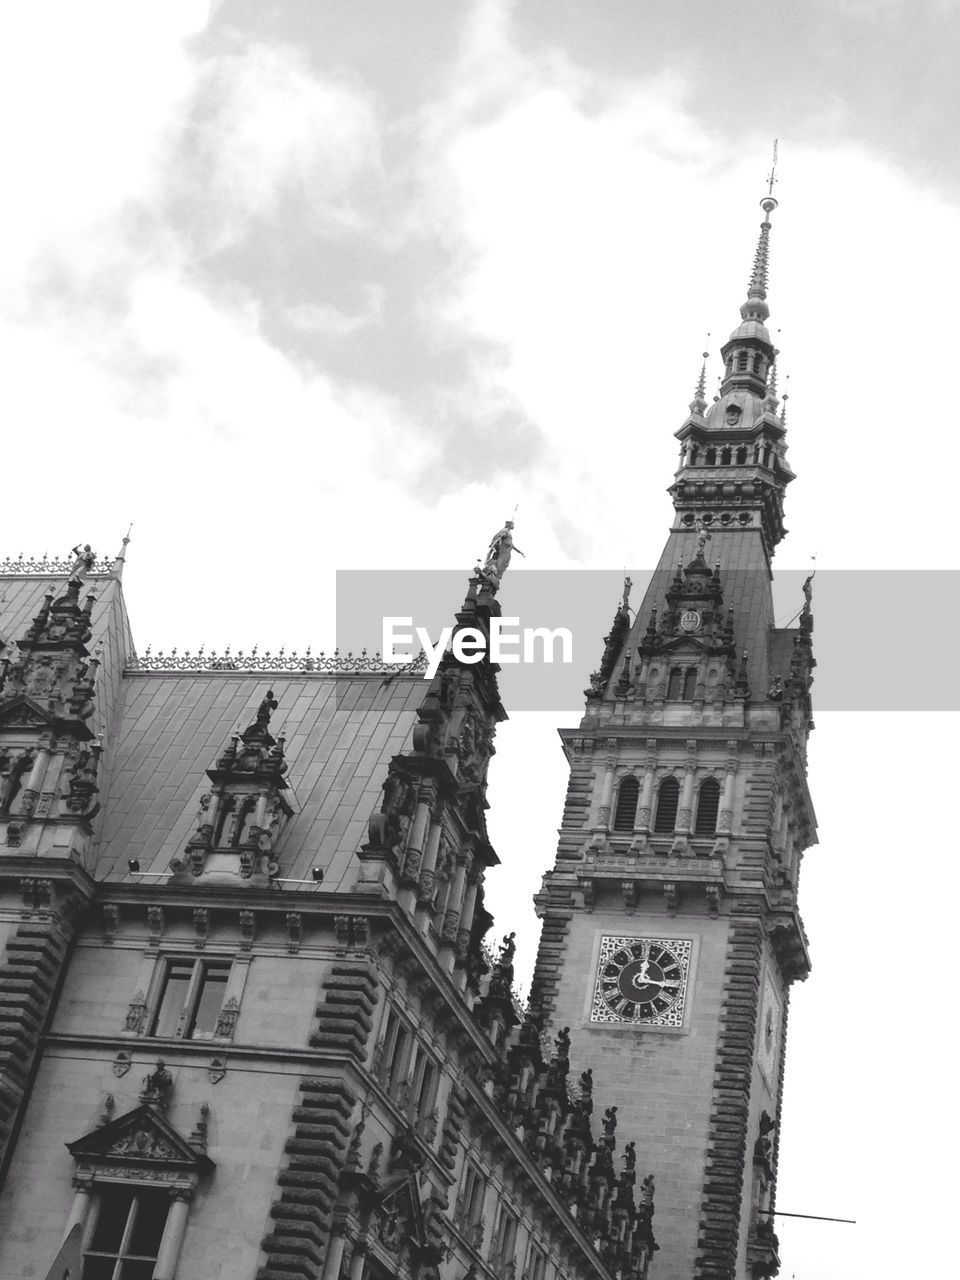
column 45, row 567
column 335, row 663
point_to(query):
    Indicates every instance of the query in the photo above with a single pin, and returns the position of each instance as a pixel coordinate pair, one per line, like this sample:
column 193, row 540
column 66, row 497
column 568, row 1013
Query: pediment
column 22, row 712
column 143, row 1138
column 682, row 645
column 400, row 1216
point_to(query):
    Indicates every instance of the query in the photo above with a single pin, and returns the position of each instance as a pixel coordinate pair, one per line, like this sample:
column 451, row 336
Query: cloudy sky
column 336, row 283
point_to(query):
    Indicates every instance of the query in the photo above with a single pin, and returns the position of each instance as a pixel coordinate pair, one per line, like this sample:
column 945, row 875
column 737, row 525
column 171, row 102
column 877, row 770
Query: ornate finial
column 783, row 410
column 699, row 402
column 122, row 554
column 498, row 554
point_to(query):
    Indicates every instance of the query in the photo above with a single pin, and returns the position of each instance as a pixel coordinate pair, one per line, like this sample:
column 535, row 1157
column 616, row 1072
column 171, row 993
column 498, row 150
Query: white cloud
column 264, row 127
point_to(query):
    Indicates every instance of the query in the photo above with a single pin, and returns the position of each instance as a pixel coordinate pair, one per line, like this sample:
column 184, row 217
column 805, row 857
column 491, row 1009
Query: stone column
column 645, row 807
column 413, row 855
column 427, row 879
column 725, row 820
column 606, row 795
column 685, row 811
column 31, row 790
column 173, row 1233
column 449, row 926
column 80, row 1209
column 466, row 919
column 725, row 817
column 334, row 1259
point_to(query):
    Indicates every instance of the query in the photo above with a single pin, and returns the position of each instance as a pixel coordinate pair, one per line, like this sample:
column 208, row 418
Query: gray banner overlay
column 866, row 626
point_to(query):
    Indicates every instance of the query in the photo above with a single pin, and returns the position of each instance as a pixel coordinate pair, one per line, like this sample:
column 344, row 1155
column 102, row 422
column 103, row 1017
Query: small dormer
column 245, row 811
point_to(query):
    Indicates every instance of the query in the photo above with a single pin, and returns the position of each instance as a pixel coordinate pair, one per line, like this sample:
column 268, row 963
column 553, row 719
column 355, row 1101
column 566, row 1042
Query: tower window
column 689, row 683
column 708, row 806
column 694, row 455
column 191, row 998
column 742, row 360
column 126, row 1237
column 725, row 457
column 627, row 800
column 675, row 683
column 742, row 454
column 668, row 801
column 711, row 458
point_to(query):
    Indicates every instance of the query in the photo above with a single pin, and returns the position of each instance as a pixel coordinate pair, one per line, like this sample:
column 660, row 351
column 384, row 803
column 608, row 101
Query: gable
column 23, row 712
column 142, row 1138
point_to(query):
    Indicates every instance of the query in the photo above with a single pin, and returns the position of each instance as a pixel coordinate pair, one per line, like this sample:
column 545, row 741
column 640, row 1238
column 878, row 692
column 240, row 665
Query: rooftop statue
column 498, row 555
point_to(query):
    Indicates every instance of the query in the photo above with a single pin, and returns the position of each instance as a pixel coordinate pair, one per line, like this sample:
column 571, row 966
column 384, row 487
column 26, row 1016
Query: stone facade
column 249, row 1023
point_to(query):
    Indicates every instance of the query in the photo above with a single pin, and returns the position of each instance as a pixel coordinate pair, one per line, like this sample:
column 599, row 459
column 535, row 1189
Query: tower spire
column 755, row 307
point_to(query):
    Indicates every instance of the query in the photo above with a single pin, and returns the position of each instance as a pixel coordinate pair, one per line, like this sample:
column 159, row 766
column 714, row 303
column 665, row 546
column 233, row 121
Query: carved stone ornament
column 122, row 1063
column 142, row 1144
column 216, row 1070
column 227, row 1020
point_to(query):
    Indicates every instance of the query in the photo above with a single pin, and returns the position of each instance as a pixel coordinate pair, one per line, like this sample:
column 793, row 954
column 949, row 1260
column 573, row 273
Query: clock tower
column 671, row 934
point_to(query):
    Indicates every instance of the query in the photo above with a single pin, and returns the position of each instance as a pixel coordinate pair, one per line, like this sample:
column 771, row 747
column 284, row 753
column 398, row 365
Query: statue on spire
column 498, row 554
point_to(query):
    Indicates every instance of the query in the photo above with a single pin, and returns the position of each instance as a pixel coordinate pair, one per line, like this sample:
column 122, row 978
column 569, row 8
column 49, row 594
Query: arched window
column 15, row 785
column 742, row 360
column 766, row 455
column 668, row 800
column 708, row 806
column 694, row 455
column 725, row 457
column 711, row 457
column 675, row 683
column 757, row 362
column 226, row 809
column 628, row 798
column 689, row 683
column 241, row 832
column 742, row 454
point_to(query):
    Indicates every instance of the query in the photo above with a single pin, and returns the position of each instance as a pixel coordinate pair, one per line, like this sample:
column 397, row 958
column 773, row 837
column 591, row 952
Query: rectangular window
column 191, row 997
column 536, row 1265
column 395, row 1056
column 505, row 1237
column 424, row 1087
column 126, row 1236
column 473, row 1195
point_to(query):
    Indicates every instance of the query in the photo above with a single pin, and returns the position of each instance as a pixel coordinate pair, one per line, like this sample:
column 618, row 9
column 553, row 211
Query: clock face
column 769, row 1031
column 641, row 981
column 690, row 620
